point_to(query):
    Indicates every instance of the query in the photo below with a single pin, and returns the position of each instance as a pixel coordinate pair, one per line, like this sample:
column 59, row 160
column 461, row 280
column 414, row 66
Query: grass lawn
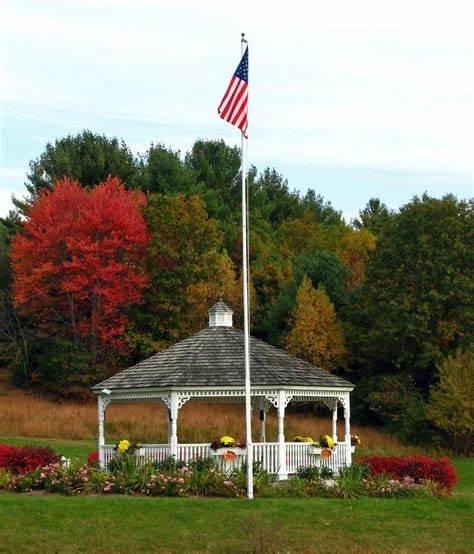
column 50, row 523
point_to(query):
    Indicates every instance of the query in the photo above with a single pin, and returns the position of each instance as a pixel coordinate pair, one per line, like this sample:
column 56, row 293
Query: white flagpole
column 245, row 281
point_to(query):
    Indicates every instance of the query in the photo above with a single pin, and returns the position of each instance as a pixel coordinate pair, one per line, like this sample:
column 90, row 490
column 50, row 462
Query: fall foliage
column 315, row 333
column 103, row 273
column 78, row 261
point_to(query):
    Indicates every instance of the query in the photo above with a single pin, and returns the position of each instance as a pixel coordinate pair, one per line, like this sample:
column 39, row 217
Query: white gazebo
column 209, row 367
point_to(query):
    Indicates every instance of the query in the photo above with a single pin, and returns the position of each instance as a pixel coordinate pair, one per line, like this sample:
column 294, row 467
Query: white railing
column 267, row 454
column 297, row 455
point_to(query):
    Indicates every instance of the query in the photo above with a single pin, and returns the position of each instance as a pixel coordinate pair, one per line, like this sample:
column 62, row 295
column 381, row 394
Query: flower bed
column 397, row 477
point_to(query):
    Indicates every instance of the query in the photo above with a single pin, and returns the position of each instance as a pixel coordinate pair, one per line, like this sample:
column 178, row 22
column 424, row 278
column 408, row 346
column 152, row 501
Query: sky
column 353, row 99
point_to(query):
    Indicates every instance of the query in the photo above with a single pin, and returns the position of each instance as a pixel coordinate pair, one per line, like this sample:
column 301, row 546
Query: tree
column 161, row 170
column 322, row 268
column 315, row 334
column 185, row 250
column 86, row 157
column 374, row 217
column 354, row 250
column 15, row 332
column 416, row 304
column 78, row 262
column 451, row 402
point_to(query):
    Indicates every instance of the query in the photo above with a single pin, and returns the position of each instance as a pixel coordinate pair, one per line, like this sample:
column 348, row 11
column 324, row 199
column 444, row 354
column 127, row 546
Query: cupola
column 220, row 315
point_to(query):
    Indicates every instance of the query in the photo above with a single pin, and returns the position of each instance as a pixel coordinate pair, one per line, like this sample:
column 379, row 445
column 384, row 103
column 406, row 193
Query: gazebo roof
column 214, row 358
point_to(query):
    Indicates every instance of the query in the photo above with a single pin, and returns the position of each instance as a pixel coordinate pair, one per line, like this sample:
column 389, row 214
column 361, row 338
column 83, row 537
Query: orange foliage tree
column 315, row 333
column 354, row 250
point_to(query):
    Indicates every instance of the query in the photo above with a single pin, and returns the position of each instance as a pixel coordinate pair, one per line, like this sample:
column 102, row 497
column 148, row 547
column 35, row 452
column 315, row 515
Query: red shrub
column 416, row 467
column 5, row 451
column 93, row 459
column 23, row 459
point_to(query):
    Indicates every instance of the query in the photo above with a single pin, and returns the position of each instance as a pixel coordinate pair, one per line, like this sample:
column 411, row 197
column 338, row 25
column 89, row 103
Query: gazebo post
column 173, row 411
column 282, row 471
column 101, row 406
column 262, row 417
column 334, row 422
column 347, row 429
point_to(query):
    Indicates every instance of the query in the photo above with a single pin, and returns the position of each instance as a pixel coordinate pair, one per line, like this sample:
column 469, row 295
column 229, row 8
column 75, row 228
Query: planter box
column 314, row 450
column 353, row 449
column 236, row 450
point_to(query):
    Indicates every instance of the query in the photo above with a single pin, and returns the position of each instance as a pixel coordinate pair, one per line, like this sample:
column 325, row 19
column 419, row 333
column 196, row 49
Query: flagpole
column 245, row 282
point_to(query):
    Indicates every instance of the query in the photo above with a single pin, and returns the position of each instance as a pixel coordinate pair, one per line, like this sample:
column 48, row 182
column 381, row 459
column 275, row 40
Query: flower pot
column 229, row 458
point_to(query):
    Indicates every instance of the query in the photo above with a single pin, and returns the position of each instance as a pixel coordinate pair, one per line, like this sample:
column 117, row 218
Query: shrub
column 417, row 467
column 5, row 478
column 126, row 464
column 169, row 464
column 20, row 460
column 309, row 473
column 198, row 464
column 349, row 481
column 5, row 451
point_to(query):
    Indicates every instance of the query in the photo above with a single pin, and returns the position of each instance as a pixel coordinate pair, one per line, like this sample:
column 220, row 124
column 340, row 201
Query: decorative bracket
column 331, row 403
column 182, row 399
column 275, row 399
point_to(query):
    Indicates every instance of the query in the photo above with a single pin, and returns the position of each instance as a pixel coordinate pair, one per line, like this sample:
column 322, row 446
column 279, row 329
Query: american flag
column 234, row 106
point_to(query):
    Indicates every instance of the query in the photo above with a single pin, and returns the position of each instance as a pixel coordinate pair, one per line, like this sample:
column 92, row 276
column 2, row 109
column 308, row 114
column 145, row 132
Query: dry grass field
column 28, row 415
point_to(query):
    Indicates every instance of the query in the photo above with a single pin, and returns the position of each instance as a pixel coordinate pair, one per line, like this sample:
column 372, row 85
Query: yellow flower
column 308, row 439
column 123, row 446
column 327, row 441
column 227, row 440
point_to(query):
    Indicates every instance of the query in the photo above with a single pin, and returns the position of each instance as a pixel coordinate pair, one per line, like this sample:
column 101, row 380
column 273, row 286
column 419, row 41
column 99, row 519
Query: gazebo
column 209, row 367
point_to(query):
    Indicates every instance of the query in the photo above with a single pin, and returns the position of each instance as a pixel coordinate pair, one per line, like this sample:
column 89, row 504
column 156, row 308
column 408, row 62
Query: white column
column 168, row 413
column 262, row 416
column 101, row 441
column 282, row 472
column 334, row 422
column 173, row 424
column 347, row 429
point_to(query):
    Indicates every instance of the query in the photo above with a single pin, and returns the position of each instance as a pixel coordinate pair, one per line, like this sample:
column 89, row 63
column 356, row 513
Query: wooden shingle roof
column 214, row 357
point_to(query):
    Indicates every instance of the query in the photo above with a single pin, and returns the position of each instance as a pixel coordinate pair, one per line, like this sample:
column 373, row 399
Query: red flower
column 93, row 458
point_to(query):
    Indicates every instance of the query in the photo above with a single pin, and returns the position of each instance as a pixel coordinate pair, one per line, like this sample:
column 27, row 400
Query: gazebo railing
column 267, row 453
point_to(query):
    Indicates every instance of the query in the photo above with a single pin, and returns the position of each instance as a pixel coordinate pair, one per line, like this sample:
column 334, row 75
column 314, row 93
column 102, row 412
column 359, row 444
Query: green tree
column 322, row 268
column 374, row 217
column 163, row 171
column 86, row 157
column 451, row 402
column 416, row 305
column 315, row 333
column 16, row 332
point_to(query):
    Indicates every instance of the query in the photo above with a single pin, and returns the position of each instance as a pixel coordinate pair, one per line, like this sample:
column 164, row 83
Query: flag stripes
column 234, row 105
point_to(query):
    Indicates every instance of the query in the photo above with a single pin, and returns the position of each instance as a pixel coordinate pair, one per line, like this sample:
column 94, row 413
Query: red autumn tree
column 79, row 261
